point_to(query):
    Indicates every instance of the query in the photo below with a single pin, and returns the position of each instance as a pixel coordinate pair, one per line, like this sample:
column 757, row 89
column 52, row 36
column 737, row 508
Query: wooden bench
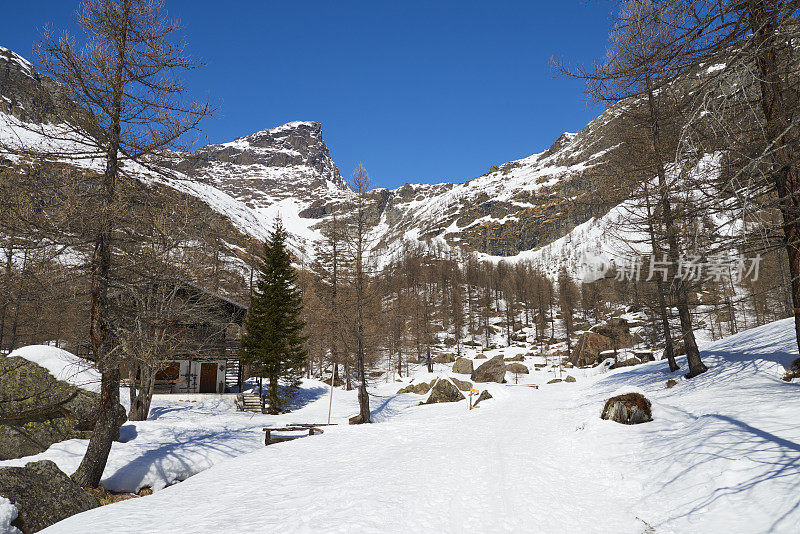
column 269, row 439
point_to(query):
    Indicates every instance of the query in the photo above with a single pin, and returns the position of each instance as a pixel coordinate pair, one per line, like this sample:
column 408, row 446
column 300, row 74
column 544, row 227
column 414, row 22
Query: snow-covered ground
column 722, row 455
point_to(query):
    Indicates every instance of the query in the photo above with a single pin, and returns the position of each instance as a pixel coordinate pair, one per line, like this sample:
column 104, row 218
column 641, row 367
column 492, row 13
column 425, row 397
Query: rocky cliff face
column 290, row 161
column 28, row 96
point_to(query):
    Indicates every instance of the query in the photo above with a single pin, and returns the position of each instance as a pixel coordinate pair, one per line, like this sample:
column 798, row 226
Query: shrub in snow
column 42, row 495
column 628, row 409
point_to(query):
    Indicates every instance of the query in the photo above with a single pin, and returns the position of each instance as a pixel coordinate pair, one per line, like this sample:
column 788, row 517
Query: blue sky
column 418, row 91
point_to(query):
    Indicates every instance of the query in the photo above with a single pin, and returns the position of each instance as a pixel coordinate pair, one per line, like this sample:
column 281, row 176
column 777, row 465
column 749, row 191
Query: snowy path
column 510, row 466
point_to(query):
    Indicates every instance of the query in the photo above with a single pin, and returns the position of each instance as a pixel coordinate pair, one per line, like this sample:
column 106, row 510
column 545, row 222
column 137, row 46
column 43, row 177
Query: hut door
column 208, row 377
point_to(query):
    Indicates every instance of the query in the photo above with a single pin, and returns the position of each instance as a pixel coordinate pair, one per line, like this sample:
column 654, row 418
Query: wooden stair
column 233, row 375
column 248, row 402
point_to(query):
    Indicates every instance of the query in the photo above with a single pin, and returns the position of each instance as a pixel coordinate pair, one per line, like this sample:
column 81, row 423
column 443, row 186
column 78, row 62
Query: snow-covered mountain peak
column 15, row 61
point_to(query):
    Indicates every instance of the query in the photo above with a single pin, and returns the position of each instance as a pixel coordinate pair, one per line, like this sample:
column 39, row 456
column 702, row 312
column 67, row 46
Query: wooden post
column 330, row 403
column 267, row 436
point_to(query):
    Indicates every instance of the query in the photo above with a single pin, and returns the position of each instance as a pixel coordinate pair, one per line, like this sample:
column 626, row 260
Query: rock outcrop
column 37, row 410
column 517, row 368
column 463, row 366
column 43, row 495
column 492, row 370
column 444, row 391
column 628, row 409
column 420, row 389
column 588, row 348
column 485, row 395
column 463, row 385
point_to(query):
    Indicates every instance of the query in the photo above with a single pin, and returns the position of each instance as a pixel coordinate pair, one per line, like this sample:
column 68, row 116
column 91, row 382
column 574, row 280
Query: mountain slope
column 287, row 171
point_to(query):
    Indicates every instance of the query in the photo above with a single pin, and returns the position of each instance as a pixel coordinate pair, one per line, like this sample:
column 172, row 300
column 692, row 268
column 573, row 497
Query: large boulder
column 492, row 370
column 444, row 358
column 444, row 391
column 37, row 410
column 793, row 371
column 630, row 362
column 420, row 389
column 42, row 495
column 628, row 409
column 588, row 348
column 463, row 366
column 463, row 385
column 517, row 368
column 618, row 330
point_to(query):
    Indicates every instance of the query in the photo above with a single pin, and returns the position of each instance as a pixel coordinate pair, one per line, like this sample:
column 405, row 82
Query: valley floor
column 722, row 455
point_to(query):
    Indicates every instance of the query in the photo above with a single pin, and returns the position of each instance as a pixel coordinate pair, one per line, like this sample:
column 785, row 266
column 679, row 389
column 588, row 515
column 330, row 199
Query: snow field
column 722, row 455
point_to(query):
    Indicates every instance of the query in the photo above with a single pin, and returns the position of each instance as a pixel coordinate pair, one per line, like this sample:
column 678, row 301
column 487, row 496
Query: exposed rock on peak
column 26, row 95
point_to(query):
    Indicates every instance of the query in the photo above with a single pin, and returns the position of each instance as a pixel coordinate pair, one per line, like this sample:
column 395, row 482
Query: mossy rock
column 671, row 383
column 444, row 358
column 628, row 409
column 37, row 410
column 43, row 495
column 481, row 356
column 517, row 358
column 554, row 381
column 570, row 378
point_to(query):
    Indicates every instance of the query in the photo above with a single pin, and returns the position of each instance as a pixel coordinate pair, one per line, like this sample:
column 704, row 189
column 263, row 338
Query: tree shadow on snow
column 751, row 457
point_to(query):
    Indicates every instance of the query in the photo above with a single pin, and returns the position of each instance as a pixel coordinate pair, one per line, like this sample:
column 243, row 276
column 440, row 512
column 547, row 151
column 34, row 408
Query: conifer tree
column 273, row 341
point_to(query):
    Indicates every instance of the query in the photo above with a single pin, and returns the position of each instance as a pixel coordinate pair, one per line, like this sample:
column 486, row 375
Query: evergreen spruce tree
column 273, row 341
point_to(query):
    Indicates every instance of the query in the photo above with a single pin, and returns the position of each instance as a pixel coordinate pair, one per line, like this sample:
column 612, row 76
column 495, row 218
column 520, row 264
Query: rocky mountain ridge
column 287, row 171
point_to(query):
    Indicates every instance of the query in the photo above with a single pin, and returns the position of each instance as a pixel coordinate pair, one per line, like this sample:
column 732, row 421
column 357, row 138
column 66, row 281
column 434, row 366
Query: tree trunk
column 274, row 401
column 106, row 430
column 782, row 136
column 696, row 365
column 142, row 397
column 669, row 348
